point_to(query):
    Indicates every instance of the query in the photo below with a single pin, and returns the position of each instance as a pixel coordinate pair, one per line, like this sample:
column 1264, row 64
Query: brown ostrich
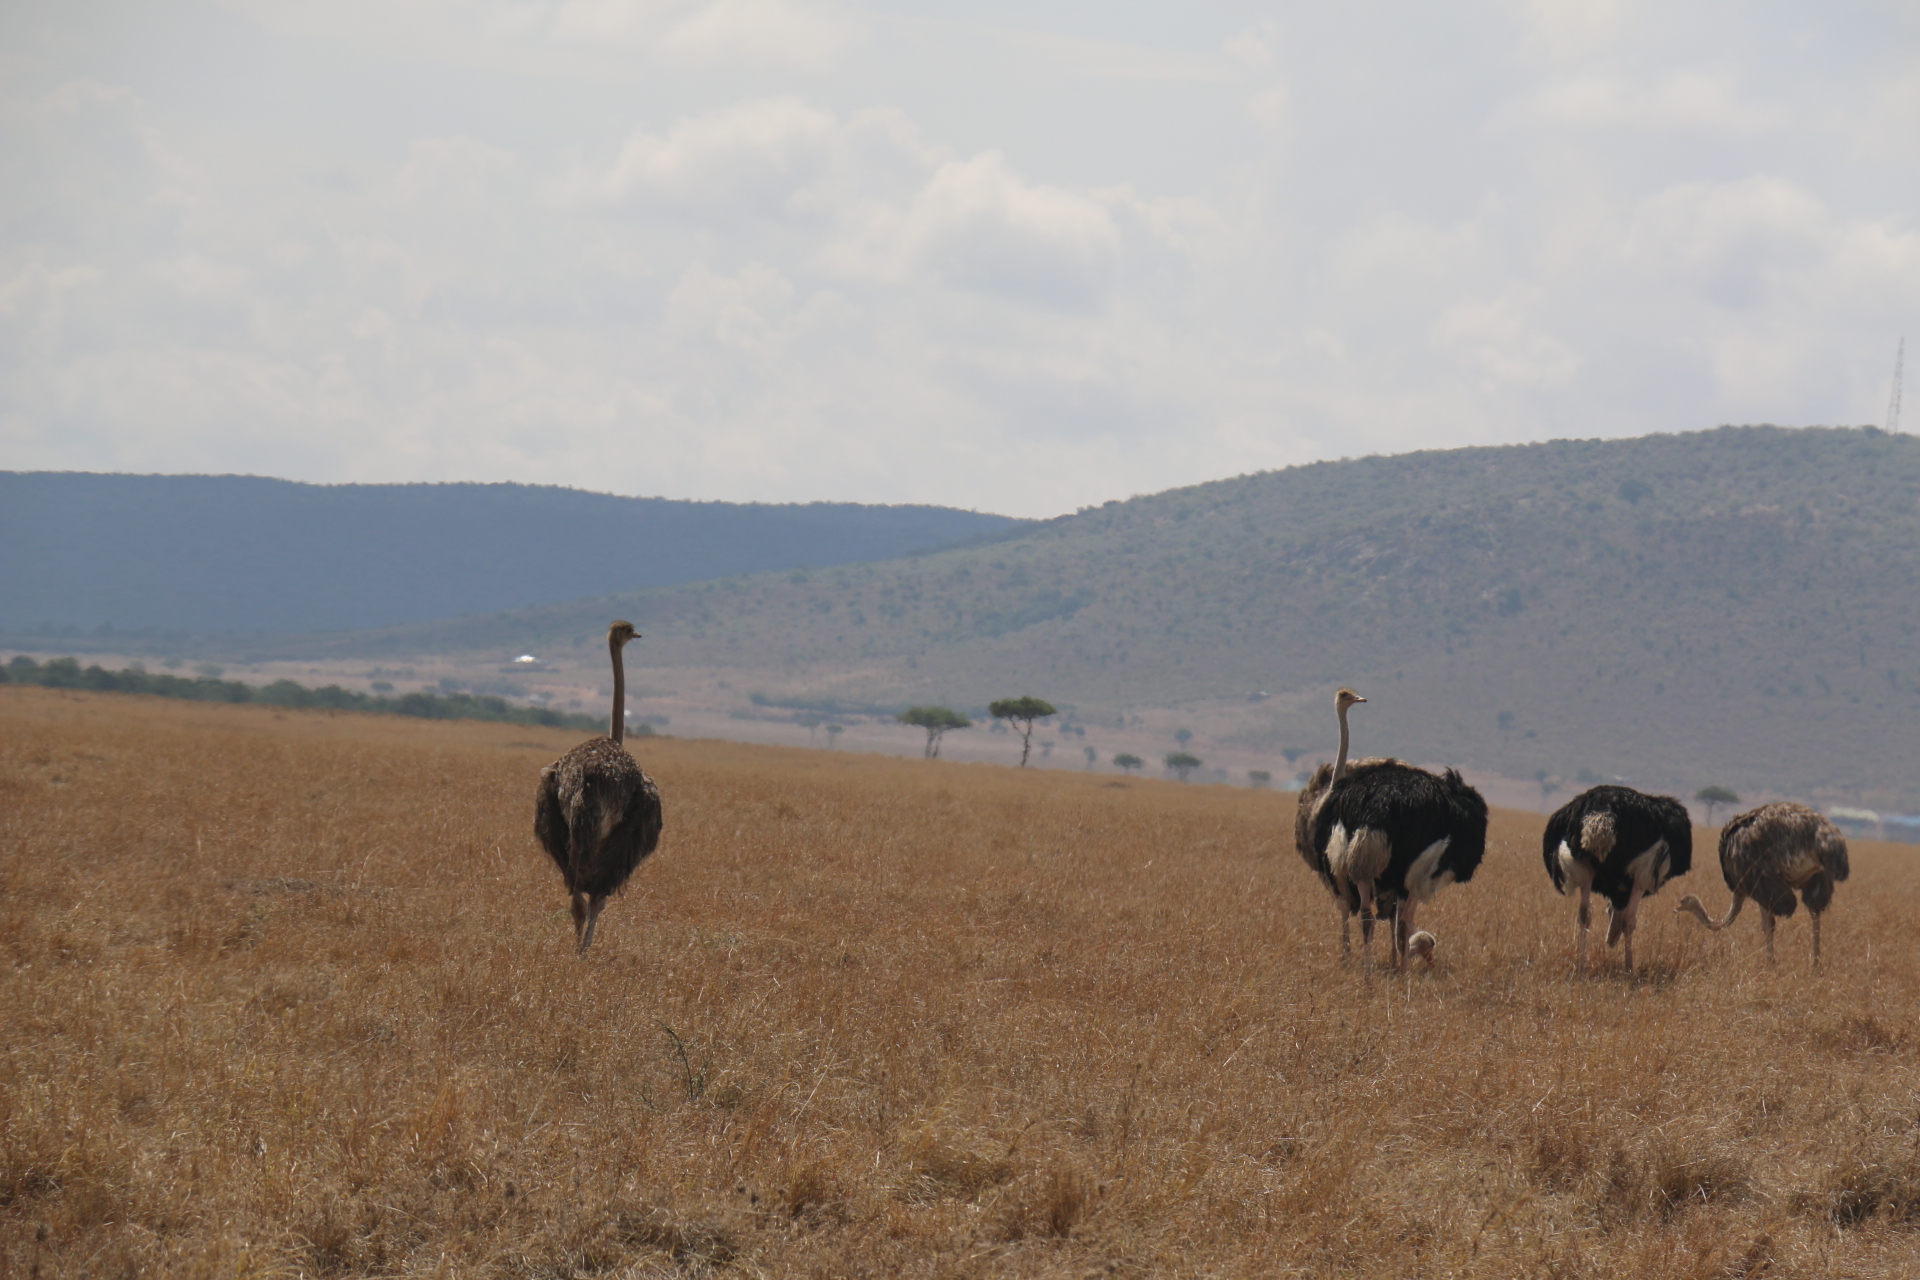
column 1770, row 854
column 597, row 814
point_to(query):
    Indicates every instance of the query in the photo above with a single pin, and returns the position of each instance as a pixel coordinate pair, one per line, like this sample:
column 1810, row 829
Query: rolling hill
column 1738, row 606
column 208, row 554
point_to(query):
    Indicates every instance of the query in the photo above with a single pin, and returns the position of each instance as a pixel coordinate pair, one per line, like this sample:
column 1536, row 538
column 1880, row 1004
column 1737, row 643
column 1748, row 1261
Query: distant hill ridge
column 1737, row 606
column 213, row 554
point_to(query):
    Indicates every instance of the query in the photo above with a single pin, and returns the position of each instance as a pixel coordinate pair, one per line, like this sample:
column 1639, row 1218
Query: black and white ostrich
column 1386, row 837
column 597, row 813
column 1311, row 797
column 1770, row 854
column 1622, row 845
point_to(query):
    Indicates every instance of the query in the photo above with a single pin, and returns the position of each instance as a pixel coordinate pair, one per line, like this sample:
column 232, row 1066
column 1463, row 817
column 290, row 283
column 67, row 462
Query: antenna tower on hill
column 1893, row 405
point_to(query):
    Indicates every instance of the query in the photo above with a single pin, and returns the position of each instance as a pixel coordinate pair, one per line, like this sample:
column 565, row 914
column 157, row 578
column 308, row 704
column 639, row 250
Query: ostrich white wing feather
column 1575, row 873
column 1648, row 870
column 1359, row 856
column 1422, row 882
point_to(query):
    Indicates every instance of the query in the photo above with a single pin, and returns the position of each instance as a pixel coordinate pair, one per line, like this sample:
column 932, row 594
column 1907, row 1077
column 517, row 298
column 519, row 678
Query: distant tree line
column 66, row 673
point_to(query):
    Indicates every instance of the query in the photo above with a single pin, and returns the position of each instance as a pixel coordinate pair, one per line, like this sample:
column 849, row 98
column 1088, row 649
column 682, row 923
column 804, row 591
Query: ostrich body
column 1387, row 837
column 597, row 814
column 1622, row 845
column 1771, row 854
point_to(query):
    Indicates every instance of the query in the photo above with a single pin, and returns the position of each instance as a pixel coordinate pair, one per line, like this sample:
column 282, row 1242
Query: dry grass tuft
column 1880, row 1186
column 293, row 994
column 1859, row 1033
column 1050, row 1204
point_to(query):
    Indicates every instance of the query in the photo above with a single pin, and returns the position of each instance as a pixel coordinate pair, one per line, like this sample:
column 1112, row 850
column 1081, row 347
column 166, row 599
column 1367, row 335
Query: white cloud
column 765, row 32
column 1698, row 100
column 598, row 37
column 1730, row 243
column 1498, row 335
column 976, row 224
column 749, row 157
column 774, row 250
column 1253, row 47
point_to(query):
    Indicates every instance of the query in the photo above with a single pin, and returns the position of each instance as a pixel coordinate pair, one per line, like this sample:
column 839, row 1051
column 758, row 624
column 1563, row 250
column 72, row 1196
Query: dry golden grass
column 294, row 994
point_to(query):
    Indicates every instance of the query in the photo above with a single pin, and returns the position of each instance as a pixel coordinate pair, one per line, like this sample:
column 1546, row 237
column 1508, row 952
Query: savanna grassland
column 290, row 993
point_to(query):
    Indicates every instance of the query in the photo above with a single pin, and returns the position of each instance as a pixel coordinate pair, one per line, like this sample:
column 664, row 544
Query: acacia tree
column 811, row 722
column 1182, row 764
column 1023, row 711
column 1715, row 795
column 936, row 721
column 1128, row 761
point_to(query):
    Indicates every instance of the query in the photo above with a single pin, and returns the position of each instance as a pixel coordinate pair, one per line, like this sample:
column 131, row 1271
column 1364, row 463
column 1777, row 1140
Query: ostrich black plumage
column 1770, row 854
column 1386, row 837
column 1622, row 845
column 597, row 813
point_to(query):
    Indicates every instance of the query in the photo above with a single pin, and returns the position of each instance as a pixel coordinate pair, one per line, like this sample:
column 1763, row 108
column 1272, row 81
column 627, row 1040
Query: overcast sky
column 1017, row 257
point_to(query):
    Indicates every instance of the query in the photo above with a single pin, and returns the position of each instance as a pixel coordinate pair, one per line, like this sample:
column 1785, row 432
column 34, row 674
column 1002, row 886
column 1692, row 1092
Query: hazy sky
column 1020, row 257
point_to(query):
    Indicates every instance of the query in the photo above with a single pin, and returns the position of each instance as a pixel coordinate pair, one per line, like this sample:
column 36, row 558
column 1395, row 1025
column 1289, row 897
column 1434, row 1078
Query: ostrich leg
column 1766, row 927
column 579, row 903
column 1586, row 923
column 1366, row 926
column 1629, row 918
column 1402, row 932
column 1816, row 939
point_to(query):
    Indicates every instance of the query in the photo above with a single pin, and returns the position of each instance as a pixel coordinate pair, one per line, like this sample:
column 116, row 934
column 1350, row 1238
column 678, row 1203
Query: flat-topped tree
column 1715, row 795
column 1182, row 763
column 1023, row 711
column 936, row 721
column 1128, row 761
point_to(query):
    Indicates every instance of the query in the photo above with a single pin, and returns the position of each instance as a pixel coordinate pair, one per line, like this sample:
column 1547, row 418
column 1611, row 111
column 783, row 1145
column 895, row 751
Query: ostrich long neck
column 1691, row 905
column 618, row 729
column 1340, row 761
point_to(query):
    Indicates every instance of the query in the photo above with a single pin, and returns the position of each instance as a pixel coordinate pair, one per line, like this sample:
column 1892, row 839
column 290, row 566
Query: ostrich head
column 1346, row 698
column 621, row 632
column 1422, row 944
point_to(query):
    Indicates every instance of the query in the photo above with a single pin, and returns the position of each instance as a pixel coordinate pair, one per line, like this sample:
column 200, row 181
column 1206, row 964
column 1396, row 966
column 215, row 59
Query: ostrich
column 1621, row 844
column 1770, row 853
column 1386, row 835
column 596, row 813
column 1311, row 797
